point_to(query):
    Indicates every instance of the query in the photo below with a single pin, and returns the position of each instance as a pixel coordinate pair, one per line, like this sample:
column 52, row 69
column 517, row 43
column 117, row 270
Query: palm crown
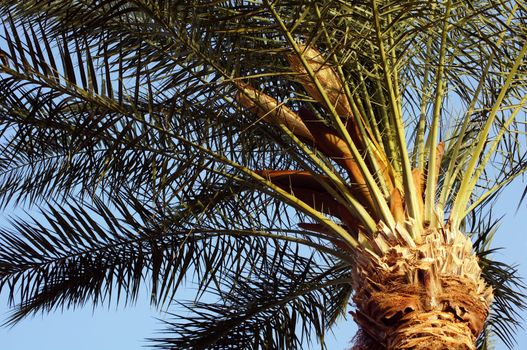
column 274, row 153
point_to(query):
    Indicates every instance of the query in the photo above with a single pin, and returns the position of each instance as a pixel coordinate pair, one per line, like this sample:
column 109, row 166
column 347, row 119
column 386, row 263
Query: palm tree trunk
column 427, row 295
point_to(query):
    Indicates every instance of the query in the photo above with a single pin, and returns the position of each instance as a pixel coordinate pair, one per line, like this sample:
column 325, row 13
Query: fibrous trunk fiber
column 428, row 295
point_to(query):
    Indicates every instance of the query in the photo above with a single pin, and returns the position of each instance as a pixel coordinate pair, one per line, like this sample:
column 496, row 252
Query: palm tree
column 287, row 157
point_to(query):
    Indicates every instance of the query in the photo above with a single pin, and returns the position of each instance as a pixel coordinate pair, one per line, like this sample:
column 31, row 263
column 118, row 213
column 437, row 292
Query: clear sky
column 127, row 328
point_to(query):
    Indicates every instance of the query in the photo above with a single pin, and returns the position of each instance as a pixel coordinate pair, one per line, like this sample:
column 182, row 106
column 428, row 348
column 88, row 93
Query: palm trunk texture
column 426, row 296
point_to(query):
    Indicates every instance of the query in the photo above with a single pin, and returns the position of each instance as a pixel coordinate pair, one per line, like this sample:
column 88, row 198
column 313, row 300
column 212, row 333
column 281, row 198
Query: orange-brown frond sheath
column 309, row 118
column 326, row 139
column 270, row 110
column 320, row 201
column 397, row 205
column 419, row 186
column 347, row 219
column 332, row 145
column 313, row 193
column 305, row 187
column 290, row 180
column 333, row 86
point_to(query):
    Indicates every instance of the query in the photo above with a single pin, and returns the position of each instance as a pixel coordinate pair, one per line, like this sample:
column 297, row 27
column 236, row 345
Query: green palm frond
column 510, row 290
column 281, row 307
column 96, row 253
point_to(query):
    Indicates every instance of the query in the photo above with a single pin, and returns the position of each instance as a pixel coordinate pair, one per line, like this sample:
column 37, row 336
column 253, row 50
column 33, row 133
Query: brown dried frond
column 397, row 205
column 419, row 186
column 270, row 110
column 333, row 85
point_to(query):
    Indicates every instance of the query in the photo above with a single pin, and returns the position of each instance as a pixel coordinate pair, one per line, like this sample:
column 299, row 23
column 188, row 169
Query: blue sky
column 127, row 328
